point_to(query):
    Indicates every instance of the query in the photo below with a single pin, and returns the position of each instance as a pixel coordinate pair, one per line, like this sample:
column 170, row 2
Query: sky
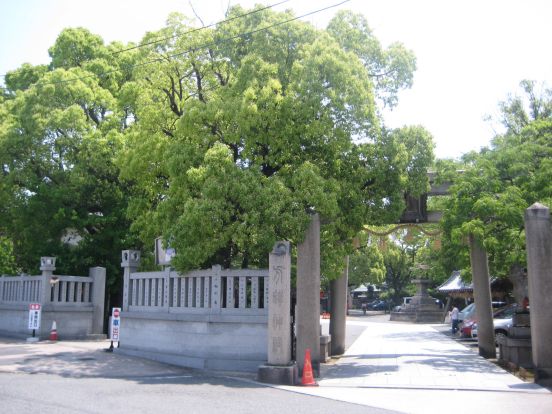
column 470, row 55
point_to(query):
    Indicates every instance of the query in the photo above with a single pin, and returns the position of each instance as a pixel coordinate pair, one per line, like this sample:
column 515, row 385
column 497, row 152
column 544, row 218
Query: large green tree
column 489, row 198
column 366, row 266
column 225, row 139
column 391, row 69
column 61, row 129
column 7, row 260
column 243, row 133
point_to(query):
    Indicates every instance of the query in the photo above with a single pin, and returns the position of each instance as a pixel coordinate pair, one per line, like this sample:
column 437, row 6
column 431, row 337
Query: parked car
column 502, row 320
column 469, row 311
column 381, row 305
column 466, row 327
column 372, row 303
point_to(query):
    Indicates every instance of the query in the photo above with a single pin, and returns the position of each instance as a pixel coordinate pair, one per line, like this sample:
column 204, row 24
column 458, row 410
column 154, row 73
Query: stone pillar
column 338, row 311
column 538, row 235
column 421, row 286
column 98, row 298
column 130, row 261
column 280, row 369
column 47, row 266
column 308, row 296
column 482, row 296
column 279, row 344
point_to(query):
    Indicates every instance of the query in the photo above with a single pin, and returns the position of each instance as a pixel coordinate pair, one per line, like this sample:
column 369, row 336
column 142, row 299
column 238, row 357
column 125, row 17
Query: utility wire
column 196, row 48
column 199, row 28
column 193, row 30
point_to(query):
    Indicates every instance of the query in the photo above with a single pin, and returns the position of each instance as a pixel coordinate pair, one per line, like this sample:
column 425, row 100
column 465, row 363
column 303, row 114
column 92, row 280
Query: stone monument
column 515, row 348
column 279, row 368
column 421, row 309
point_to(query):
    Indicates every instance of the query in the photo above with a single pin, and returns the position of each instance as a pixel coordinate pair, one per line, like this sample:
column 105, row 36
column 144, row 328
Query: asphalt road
column 189, row 393
column 79, row 377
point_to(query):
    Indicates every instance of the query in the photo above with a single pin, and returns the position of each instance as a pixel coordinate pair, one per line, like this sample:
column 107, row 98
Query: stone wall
column 196, row 340
column 214, row 318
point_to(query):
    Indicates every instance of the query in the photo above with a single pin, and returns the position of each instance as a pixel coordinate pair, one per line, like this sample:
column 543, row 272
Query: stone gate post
column 338, row 311
column 482, row 296
column 538, row 235
column 308, row 296
column 279, row 369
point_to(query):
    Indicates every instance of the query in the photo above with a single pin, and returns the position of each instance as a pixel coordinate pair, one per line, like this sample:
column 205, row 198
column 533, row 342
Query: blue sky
column 470, row 54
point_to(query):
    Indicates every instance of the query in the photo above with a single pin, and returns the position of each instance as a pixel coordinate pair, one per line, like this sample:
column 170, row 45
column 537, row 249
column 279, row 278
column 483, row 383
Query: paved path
column 395, row 366
column 415, row 368
column 76, row 359
column 80, row 377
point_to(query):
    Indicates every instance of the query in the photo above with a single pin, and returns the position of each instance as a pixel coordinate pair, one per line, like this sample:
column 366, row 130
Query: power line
column 196, row 48
column 270, row 6
column 200, row 28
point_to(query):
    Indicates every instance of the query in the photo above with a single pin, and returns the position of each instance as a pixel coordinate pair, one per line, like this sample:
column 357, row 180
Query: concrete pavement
column 416, row 368
column 77, row 359
column 402, row 367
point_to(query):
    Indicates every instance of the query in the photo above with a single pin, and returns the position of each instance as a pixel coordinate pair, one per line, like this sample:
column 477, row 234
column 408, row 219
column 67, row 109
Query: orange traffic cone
column 308, row 378
column 53, row 332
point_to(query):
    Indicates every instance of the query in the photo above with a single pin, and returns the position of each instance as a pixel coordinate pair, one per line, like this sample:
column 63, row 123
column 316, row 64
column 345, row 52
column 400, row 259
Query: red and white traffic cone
column 53, row 332
column 308, row 377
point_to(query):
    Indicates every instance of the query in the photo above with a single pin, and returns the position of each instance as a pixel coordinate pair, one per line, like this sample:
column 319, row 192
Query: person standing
column 454, row 319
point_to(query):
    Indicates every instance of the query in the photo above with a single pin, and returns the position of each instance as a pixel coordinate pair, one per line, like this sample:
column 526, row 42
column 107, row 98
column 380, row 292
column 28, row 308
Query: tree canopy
column 240, row 142
column 489, row 198
column 61, row 131
column 222, row 140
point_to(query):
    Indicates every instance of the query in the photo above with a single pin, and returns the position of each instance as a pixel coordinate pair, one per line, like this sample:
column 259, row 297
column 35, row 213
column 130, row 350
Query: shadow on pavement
column 71, row 361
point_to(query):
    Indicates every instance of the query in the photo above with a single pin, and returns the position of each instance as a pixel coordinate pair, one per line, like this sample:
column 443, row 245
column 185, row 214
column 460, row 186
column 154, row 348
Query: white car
column 502, row 321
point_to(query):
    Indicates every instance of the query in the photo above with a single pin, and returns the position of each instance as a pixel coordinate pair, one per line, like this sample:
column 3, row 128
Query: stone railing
column 74, row 290
column 207, row 291
column 20, row 289
column 76, row 303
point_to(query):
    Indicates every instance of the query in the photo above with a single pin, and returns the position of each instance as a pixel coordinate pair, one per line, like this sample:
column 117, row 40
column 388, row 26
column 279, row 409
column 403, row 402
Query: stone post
column 98, row 298
column 130, row 263
column 308, row 296
column 482, row 296
column 279, row 369
column 47, row 266
column 338, row 311
column 538, row 235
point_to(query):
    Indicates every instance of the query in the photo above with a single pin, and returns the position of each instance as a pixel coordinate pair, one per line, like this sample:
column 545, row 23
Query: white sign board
column 115, row 324
column 34, row 316
column 163, row 257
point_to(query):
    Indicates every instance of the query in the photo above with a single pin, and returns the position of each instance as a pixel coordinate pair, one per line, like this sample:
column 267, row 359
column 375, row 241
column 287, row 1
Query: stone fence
column 76, row 303
column 211, row 291
column 215, row 318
